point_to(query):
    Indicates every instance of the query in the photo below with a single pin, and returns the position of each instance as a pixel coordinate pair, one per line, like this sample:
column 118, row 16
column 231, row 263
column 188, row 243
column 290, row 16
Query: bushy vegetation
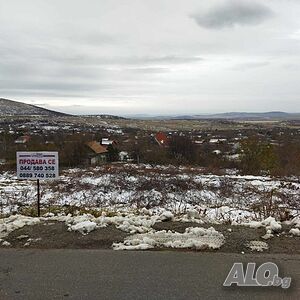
column 260, row 152
column 258, row 157
column 114, row 186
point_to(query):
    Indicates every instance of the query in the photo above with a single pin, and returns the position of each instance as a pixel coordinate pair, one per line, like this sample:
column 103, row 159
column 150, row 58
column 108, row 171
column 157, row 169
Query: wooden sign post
column 37, row 166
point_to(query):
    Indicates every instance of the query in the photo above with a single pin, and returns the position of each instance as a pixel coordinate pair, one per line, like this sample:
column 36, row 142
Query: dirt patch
column 54, row 235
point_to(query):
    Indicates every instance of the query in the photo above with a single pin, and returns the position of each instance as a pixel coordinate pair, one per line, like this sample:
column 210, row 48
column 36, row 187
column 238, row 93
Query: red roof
column 161, row 139
column 96, row 147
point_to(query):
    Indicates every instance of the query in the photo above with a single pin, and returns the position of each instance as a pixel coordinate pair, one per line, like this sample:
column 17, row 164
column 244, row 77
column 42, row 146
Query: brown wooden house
column 97, row 153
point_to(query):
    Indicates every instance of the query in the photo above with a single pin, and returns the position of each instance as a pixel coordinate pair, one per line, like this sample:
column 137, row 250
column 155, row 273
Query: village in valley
column 94, row 140
column 144, row 177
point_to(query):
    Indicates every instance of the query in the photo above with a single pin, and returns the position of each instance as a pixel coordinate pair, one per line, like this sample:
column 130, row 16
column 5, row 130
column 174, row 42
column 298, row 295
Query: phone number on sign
column 37, row 168
column 37, row 175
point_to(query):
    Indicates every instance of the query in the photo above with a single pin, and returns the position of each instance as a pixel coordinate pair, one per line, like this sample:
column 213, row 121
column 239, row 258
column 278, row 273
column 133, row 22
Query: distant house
column 123, row 156
column 107, row 142
column 162, row 139
column 236, row 146
column 215, row 141
column 22, row 139
column 97, row 153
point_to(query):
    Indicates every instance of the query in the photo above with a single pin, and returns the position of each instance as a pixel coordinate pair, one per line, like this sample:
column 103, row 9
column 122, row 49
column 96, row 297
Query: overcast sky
column 151, row 56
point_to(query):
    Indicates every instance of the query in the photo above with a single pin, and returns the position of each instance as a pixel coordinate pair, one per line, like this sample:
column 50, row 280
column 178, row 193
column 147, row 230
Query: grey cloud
column 148, row 70
column 12, row 93
column 79, row 59
column 170, row 59
column 91, row 38
column 291, row 66
column 51, row 85
column 151, row 53
column 250, row 65
column 77, row 72
column 233, row 13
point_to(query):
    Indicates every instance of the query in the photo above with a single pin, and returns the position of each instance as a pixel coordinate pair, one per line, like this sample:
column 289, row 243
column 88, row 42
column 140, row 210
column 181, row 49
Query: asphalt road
column 105, row 274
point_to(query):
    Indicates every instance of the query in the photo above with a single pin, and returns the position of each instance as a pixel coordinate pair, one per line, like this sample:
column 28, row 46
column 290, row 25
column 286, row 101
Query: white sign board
column 37, row 165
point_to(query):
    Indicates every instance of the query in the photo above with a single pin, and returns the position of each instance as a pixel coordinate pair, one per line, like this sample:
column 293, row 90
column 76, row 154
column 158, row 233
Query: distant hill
column 14, row 108
column 110, row 117
column 273, row 115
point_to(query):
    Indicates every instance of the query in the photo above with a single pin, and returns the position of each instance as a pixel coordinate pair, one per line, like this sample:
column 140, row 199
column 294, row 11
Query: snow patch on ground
column 83, row 227
column 6, row 243
column 271, row 225
column 129, row 222
column 257, row 246
column 295, row 231
column 296, row 222
column 193, row 238
column 8, row 225
column 267, row 236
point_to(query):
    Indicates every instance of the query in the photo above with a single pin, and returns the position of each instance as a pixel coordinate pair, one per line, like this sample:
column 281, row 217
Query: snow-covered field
column 182, row 191
column 135, row 198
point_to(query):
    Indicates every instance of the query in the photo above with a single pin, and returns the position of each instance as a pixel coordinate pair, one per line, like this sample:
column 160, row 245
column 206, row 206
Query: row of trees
column 260, row 157
column 72, row 149
column 255, row 156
